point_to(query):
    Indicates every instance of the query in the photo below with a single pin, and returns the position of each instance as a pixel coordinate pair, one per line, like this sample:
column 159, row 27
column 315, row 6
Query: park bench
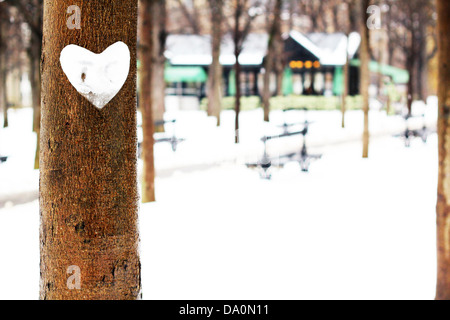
column 409, row 134
column 173, row 140
column 303, row 157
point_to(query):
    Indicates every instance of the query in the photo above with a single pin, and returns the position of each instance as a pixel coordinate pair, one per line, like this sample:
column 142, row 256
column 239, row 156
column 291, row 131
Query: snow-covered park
column 351, row 228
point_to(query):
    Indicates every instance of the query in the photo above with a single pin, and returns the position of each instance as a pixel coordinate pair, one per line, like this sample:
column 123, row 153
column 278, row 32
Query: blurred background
column 295, row 149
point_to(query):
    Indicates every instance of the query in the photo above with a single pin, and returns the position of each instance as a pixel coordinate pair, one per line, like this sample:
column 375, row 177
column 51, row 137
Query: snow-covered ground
column 349, row 229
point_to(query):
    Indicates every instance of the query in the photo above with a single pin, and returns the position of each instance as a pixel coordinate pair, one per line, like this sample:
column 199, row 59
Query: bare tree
column 408, row 23
column 191, row 15
column 244, row 13
column 349, row 27
column 146, row 23
column 215, row 69
column 272, row 58
column 3, row 98
column 443, row 205
column 32, row 13
column 159, row 36
column 314, row 9
column 365, row 73
column 88, row 179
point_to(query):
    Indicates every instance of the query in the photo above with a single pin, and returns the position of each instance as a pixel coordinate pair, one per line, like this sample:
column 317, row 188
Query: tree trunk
column 237, row 107
column 3, row 73
column 35, row 81
column 3, row 93
column 146, row 102
column 159, row 36
column 273, row 60
column 279, row 61
column 410, row 86
column 410, row 65
column 443, row 205
column 34, row 55
column 365, row 74
column 237, row 69
column 34, row 20
column 215, row 70
column 346, row 85
column 279, row 76
column 88, row 180
column 267, row 94
column 422, row 64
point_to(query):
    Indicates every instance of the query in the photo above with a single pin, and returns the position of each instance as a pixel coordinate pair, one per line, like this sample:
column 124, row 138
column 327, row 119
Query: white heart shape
column 97, row 77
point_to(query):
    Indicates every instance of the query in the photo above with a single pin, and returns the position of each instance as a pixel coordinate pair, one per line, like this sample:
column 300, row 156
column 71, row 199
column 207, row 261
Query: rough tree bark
column 272, row 56
column 146, row 101
column 88, row 183
column 443, row 205
column 215, row 70
column 159, row 36
column 365, row 74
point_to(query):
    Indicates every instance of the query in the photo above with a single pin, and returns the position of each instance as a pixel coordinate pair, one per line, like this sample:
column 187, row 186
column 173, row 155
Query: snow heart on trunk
column 97, row 77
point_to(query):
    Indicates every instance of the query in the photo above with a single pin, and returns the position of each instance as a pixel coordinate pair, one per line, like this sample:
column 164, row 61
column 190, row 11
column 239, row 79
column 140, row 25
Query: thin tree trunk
column 146, row 101
column 410, row 85
column 346, row 84
column 422, row 64
column 410, row 64
column 3, row 70
column 279, row 49
column 365, row 74
column 279, row 77
column 3, row 93
column 159, row 35
column 34, row 57
column 237, row 71
column 215, row 70
column 380, row 77
column 88, row 180
column 267, row 94
column 35, row 80
column 443, row 205
column 272, row 56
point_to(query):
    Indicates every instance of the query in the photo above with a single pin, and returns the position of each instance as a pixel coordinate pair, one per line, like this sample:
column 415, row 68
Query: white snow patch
column 350, row 229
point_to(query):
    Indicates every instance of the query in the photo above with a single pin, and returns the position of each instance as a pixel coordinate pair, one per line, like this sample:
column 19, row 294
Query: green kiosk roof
column 185, row 74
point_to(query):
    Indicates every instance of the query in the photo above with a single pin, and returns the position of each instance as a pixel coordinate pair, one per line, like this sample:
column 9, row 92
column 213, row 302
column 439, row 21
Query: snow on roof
column 306, row 43
column 330, row 49
column 196, row 50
